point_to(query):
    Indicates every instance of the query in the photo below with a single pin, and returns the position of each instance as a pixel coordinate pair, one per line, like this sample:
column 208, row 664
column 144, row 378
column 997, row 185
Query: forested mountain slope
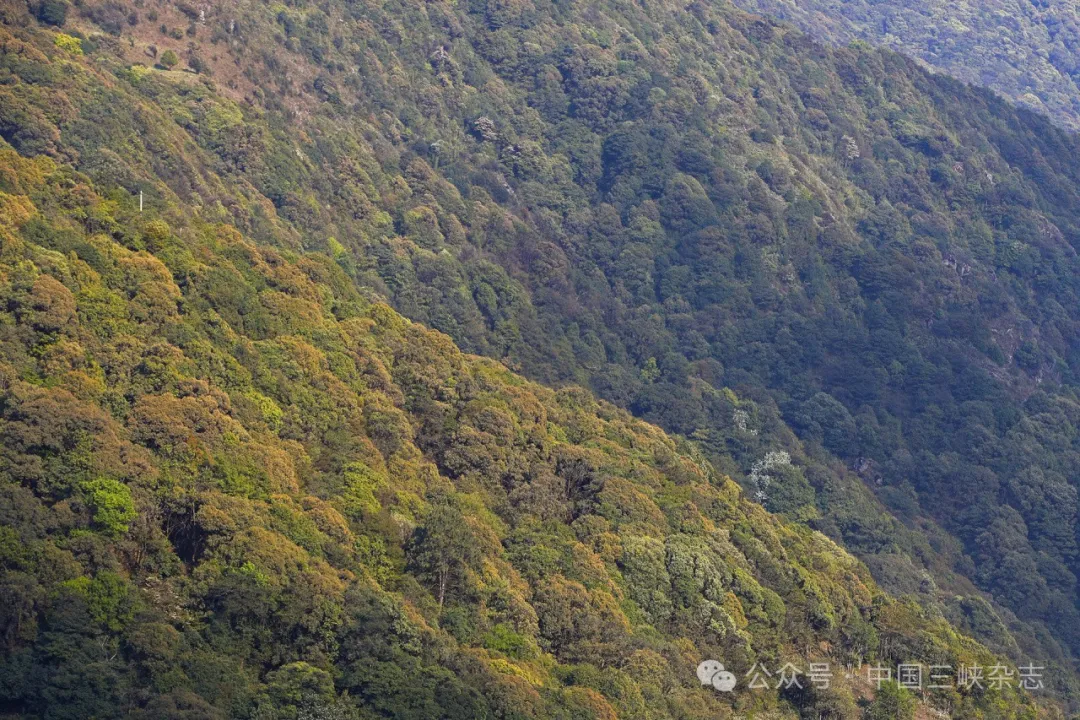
column 852, row 284
column 233, row 486
column 1028, row 51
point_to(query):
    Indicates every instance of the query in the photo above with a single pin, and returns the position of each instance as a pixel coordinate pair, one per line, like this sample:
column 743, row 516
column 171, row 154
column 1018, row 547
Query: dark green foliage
column 444, row 549
column 53, row 12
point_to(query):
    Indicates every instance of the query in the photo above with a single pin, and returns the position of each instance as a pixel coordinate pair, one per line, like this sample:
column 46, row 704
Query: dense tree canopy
column 333, row 512
column 850, row 285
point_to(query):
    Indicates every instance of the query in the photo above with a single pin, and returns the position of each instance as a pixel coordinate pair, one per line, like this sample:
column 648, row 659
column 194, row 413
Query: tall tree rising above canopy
column 846, row 281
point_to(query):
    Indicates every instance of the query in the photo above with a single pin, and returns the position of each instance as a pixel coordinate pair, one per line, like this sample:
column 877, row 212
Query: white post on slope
column 140, row 201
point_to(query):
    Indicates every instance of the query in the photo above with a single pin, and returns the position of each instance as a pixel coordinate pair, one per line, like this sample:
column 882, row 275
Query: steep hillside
column 850, row 283
column 1027, row 51
column 232, row 486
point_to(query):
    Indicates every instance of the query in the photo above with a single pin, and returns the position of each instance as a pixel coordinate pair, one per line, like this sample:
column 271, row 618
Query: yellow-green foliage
column 111, row 504
column 327, row 492
column 69, row 44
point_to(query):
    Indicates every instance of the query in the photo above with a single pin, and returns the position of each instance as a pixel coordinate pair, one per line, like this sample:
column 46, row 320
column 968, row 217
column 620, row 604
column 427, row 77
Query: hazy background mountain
column 1027, row 50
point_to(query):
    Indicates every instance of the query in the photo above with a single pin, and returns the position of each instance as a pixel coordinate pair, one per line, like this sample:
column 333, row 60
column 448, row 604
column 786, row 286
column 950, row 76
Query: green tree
column 111, row 504
column 444, row 547
column 53, row 12
column 891, row 702
column 651, row 371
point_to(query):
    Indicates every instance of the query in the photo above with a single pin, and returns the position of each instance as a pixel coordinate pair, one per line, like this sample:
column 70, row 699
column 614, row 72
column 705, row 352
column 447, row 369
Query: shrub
column 69, row 44
column 52, row 12
column 168, row 60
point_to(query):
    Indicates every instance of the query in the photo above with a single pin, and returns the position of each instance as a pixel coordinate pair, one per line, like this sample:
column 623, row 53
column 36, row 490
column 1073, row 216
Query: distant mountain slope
column 853, row 285
column 1027, row 50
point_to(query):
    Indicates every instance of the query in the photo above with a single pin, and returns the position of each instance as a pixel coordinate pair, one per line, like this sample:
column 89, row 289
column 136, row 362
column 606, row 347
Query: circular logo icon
column 724, row 681
column 712, row 672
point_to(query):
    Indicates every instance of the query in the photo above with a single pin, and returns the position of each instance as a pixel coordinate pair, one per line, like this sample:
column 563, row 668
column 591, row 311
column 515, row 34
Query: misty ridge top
column 241, row 484
column 1027, row 51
